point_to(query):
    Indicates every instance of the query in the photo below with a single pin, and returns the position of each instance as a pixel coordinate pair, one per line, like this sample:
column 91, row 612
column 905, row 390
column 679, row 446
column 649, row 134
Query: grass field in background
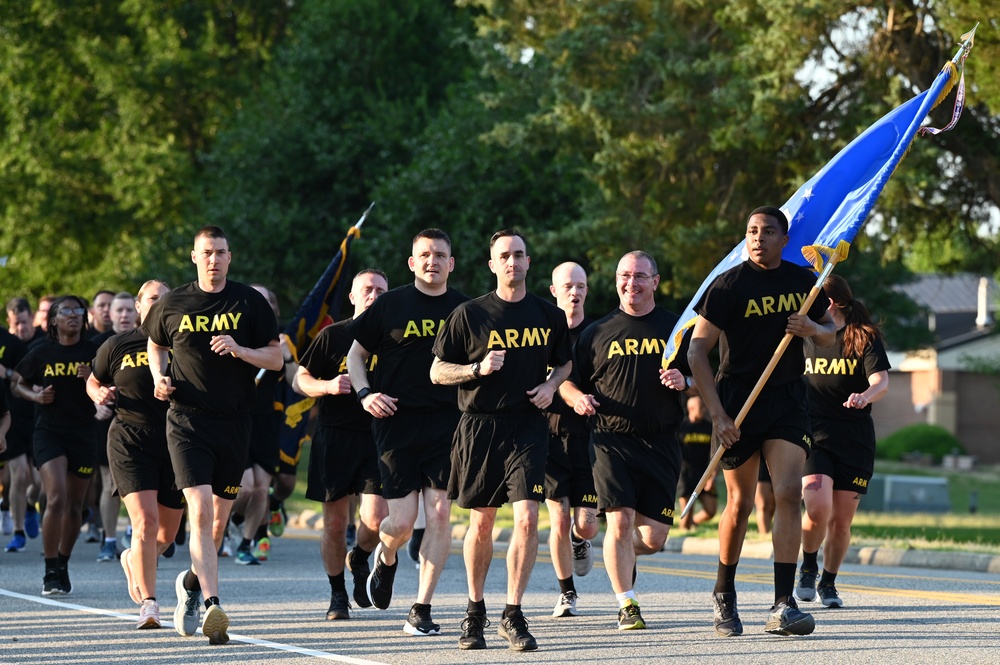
column 957, row 530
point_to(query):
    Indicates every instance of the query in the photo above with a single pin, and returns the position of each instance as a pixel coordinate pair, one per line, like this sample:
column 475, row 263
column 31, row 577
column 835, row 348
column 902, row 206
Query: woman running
column 844, row 380
column 137, row 454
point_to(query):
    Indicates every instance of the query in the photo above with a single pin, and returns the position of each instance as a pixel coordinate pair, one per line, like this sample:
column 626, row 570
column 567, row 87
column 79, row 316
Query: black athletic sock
column 511, row 609
column 337, row 583
column 20, row 533
column 245, row 545
column 476, row 607
column 567, row 585
column 827, row 578
column 152, row 598
column 725, row 579
column 421, row 607
column 237, row 519
column 191, row 582
column 784, row 581
column 51, row 565
column 273, row 504
column 261, row 532
column 573, row 538
column 212, row 600
column 809, row 561
column 63, row 560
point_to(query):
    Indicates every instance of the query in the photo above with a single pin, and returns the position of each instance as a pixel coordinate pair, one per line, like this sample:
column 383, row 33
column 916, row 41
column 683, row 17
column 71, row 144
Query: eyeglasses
column 638, row 277
column 67, row 311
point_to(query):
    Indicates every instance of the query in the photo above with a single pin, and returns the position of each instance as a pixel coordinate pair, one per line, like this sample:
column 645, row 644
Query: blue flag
column 834, row 203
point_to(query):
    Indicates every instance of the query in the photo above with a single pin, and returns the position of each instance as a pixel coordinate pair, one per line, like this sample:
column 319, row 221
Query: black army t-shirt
column 832, row 376
column 751, row 306
column 618, row 360
column 400, row 328
column 696, row 442
column 187, row 318
column 52, row 364
column 325, row 359
column 12, row 350
column 122, row 361
column 532, row 331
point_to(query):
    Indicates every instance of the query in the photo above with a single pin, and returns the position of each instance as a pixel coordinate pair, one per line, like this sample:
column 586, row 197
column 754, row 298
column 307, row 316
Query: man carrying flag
column 751, row 307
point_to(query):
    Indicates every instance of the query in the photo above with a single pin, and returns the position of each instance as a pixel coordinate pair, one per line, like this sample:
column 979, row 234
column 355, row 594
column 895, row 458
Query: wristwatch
column 475, row 369
column 363, row 393
column 9, row 373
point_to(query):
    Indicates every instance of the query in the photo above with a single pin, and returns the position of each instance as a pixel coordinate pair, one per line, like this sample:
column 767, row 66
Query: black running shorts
column 638, row 473
column 342, row 462
column 414, row 450
column 568, row 472
column 139, row 461
column 499, row 459
column 264, row 446
column 845, row 451
column 779, row 412
column 208, row 449
column 77, row 446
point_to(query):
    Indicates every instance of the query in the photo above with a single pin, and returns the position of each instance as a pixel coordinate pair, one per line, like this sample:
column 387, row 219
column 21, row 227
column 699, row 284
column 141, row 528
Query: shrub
column 921, row 438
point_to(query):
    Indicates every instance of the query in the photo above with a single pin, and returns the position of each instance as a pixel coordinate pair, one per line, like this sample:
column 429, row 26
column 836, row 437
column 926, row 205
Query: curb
column 859, row 555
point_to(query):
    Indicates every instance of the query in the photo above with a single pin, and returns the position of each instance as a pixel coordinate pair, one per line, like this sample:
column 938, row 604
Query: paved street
column 893, row 615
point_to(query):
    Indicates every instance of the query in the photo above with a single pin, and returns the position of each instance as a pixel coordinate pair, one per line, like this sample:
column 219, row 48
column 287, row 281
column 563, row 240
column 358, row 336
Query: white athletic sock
column 623, row 598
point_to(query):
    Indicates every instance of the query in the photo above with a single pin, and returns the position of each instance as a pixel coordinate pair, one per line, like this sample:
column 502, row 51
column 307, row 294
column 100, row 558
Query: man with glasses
column 221, row 333
column 618, row 379
column 497, row 349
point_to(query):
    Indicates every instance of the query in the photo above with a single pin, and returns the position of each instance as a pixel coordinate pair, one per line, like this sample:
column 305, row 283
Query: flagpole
column 357, row 225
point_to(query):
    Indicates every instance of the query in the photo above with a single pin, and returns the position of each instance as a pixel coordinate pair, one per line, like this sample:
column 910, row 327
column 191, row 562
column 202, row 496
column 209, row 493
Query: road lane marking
column 233, row 637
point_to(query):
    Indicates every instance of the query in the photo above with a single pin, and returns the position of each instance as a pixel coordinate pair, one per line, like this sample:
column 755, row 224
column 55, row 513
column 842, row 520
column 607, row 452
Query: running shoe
column 31, row 522
column 133, row 589
column 787, row 619
column 16, row 544
column 93, row 533
column 170, row 551
column 277, row 524
column 351, row 535
column 50, row 584
column 149, row 615
column 188, row 603
column 6, row 523
column 340, row 607
column 472, row 632
column 109, row 552
column 214, row 625
column 583, row 556
column 829, row 597
column 413, row 547
column 245, row 558
column 806, row 588
column 419, row 623
column 727, row 618
column 629, row 616
column 566, row 605
column 357, row 565
column 514, row 629
column 226, row 549
column 380, row 581
column 65, row 587
column 263, row 549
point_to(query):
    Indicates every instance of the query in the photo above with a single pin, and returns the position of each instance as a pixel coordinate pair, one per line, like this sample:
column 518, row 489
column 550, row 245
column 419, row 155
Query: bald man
column 569, row 477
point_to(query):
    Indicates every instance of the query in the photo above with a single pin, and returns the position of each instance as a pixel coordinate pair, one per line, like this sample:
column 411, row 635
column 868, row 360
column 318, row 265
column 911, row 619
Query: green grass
column 958, row 530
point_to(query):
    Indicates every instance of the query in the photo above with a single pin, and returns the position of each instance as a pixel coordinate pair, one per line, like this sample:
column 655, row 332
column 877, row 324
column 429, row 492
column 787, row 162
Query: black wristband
column 363, row 393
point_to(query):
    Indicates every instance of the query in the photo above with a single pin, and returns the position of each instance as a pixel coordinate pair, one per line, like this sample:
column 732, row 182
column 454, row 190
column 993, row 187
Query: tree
column 108, row 107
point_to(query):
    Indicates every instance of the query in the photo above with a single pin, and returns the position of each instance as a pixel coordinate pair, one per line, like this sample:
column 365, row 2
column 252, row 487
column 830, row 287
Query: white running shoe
column 149, row 615
column 186, row 612
column 566, row 606
column 583, row 556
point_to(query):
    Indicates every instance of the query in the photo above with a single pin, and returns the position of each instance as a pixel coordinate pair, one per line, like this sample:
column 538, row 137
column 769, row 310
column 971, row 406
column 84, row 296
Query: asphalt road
column 893, row 615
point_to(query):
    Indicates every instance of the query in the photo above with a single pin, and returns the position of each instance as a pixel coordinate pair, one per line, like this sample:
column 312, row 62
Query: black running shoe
column 514, row 629
column 629, row 617
column 472, row 632
column 50, row 584
column 419, row 623
column 829, row 597
column 787, row 619
column 727, row 618
column 413, row 547
column 380, row 581
column 339, row 607
column 806, row 588
column 64, row 585
column 357, row 564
